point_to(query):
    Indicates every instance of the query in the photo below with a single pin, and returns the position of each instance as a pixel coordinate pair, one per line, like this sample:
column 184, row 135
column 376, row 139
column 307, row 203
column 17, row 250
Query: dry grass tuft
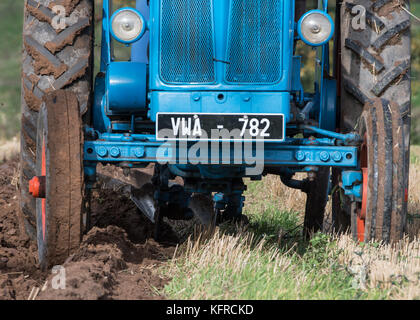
column 9, row 149
column 289, row 199
column 388, row 267
column 413, row 221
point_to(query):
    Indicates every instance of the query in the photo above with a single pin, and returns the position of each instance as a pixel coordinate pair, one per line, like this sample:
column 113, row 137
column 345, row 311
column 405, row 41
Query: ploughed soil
column 118, row 259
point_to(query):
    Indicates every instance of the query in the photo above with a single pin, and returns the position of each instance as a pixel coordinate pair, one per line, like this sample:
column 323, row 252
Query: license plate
column 220, row 127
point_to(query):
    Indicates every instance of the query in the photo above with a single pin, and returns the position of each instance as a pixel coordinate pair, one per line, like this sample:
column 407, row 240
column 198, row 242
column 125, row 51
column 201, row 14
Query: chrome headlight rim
column 302, row 19
column 138, row 14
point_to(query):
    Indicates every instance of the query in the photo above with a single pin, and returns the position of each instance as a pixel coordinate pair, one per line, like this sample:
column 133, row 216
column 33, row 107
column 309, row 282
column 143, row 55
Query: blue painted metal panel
column 326, row 88
column 328, row 107
column 211, row 102
column 126, row 87
column 352, row 183
column 106, row 36
column 139, row 51
column 296, row 79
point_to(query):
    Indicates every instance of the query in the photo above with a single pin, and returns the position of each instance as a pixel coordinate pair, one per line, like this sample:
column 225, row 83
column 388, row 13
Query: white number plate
column 213, row 127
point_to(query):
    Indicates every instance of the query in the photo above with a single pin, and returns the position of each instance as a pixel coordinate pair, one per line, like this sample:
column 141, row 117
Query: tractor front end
column 211, row 92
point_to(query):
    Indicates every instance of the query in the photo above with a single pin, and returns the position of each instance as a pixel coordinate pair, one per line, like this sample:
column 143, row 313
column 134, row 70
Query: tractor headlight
column 127, row 25
column 316, row 28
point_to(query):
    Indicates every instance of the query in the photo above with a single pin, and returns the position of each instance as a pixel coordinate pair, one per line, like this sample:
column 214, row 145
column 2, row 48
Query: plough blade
column 143, row 198
column 203, row 208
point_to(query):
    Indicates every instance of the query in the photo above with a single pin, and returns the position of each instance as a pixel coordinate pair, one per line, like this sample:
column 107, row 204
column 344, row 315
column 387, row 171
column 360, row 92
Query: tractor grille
column 187, row 41
column 255, row 41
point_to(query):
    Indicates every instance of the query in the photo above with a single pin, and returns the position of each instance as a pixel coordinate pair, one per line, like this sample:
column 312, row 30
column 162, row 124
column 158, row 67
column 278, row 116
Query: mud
column 42, row 65
column 67, row 37
column 117, row 259
column 69, row 5
column 39, row 11
column 389, row 8
column 31, row 100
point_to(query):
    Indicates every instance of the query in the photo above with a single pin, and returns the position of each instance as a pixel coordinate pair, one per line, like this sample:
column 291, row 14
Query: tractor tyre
column 375, row 58
column 373, row 62
column 57, row 54
column 382, row 213
column 316, row 201
column 58, row 184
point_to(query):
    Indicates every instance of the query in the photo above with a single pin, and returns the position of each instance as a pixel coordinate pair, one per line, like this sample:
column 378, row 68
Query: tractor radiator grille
column 187, row 41
column 255, row 41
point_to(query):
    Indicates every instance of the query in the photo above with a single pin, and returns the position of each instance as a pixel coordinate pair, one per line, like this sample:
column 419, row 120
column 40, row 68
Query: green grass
column 251, row 269
column 268, row 260
column 415, row 155
column 265, row 277
column 415, row 9
column 11, row 15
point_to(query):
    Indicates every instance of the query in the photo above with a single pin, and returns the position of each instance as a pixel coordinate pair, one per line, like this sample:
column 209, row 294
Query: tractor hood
column 242, row 45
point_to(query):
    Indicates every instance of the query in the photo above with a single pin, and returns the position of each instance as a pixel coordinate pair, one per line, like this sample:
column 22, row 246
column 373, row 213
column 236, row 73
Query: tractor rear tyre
column 57, row 54
column 58, row 184
column 373, row 64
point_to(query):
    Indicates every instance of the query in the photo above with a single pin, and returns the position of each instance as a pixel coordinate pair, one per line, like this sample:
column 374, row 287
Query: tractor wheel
column 375, row 58
column 317, row 198
column 57, row 54
column 382, row 213
column 373, row 63
column 58, row 184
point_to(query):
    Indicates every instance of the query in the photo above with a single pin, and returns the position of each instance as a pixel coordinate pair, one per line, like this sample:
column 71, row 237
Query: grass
column 11, row 15
column 269, row 260
column 9, row 149
column 237, row 267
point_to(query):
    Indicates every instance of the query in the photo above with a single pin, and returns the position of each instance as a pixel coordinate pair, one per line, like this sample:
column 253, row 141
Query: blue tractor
column 212, row 93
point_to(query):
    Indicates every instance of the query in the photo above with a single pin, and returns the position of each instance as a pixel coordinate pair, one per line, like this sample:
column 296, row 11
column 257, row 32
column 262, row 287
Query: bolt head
column 300, row 155
column 324, row 156
column 115, row 152
column 102, row 152
column 337, row 156
column 139, row 152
